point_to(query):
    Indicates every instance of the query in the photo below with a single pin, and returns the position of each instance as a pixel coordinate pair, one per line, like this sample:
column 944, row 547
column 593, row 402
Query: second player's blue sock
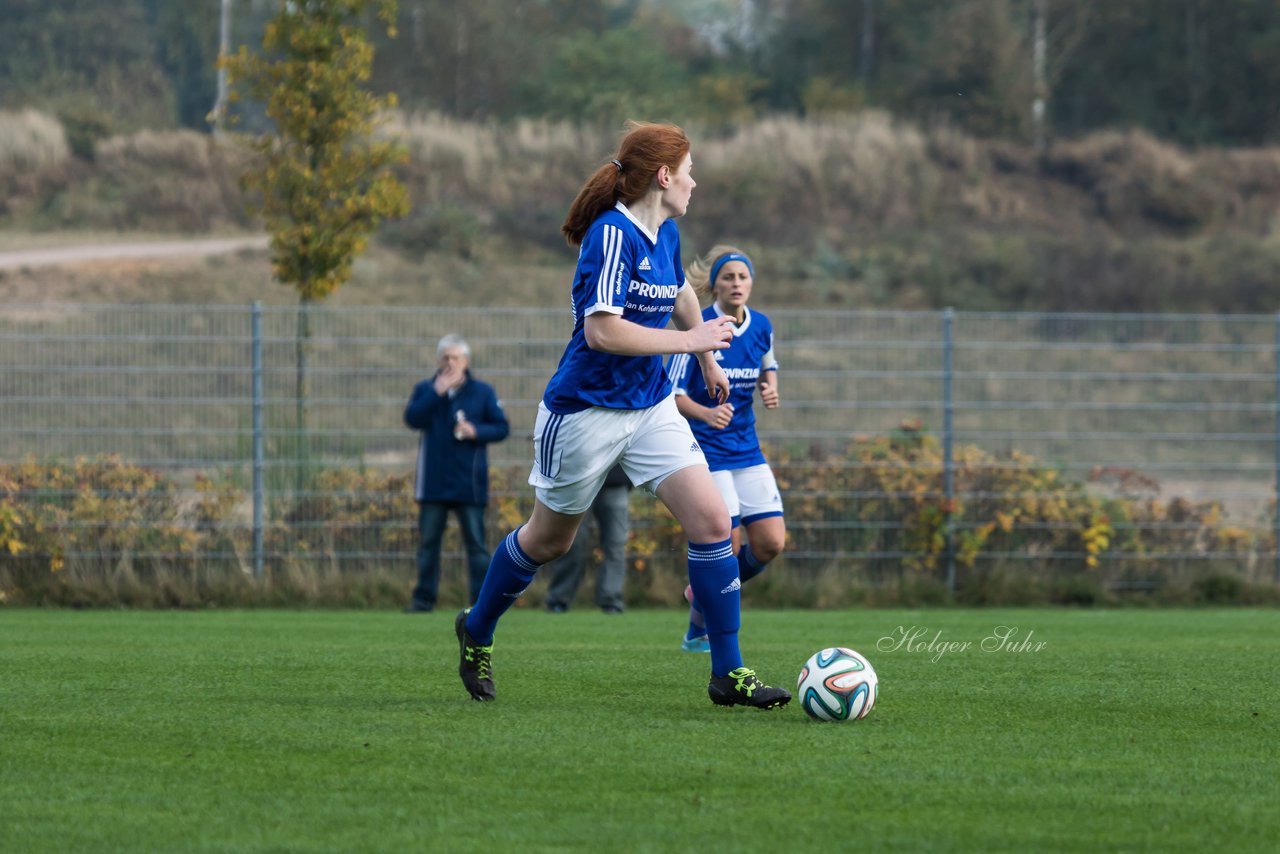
column 749, row 566
column 697, row 625
column 694, row 630
column 510, row 571
column 713, row 575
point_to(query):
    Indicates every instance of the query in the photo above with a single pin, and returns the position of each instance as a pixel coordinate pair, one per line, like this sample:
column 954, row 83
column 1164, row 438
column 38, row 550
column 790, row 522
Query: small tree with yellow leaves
column 323, row 181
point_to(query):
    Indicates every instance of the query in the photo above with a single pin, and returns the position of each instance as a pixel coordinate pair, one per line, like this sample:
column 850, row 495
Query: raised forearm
column 609, row 333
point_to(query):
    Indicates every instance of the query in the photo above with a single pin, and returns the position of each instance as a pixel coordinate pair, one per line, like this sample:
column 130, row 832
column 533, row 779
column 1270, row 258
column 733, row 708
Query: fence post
column 948, row 466
column 258, row 447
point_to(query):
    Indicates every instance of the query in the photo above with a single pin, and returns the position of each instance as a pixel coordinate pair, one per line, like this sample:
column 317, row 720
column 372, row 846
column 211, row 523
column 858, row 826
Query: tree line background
column 870, row 153
column 1194, row 72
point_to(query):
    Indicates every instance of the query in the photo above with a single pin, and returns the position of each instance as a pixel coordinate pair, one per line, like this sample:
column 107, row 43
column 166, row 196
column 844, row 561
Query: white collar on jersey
column 653, row 238
column 738, row 329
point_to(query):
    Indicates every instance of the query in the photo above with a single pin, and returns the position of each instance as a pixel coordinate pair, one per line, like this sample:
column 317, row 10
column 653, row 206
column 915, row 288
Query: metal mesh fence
column 940, row 442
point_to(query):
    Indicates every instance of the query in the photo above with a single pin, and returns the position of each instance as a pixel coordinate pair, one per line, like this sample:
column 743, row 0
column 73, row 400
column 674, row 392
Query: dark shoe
column 556, row 607
column 741, row 688
column 611, row 609
column 475, row 665
column 418, row 608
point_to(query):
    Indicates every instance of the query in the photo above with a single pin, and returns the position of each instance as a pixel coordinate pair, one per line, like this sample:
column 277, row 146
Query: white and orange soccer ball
column 837, row 684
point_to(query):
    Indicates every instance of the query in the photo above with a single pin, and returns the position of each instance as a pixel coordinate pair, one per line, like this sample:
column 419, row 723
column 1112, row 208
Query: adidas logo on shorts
column 644, row 264
column 694, row 447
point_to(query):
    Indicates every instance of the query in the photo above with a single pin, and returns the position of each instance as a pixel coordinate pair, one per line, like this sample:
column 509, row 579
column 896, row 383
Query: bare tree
column 866, row 51
column 1041, row 86
column 1051, row 48
column 217, row 116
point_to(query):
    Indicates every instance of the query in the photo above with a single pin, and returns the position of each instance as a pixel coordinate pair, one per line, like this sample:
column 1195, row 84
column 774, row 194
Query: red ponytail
column 644, row 150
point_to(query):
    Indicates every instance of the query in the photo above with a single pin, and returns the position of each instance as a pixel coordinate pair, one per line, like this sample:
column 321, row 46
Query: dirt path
column 56, row 256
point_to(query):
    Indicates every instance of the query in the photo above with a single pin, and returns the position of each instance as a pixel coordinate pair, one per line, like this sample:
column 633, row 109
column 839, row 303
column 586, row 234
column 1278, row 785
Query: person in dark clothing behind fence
column 613, row 520
column 458, row 416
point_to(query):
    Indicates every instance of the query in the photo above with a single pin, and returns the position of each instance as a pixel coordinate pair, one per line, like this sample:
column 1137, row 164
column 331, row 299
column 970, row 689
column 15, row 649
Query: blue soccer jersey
column 750, row 353
column 623, row 269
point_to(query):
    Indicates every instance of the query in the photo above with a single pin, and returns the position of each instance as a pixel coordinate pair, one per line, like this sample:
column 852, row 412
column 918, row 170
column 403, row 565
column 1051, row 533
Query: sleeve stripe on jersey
column 612, row 251
column 676, row 373
column 769, row 361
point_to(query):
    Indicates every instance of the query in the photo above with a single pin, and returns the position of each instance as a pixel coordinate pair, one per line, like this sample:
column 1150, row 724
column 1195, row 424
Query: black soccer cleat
column 741, row 688
column 475, row 664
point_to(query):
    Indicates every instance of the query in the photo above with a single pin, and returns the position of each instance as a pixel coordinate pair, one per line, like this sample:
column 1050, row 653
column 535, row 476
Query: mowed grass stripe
column 324, row 731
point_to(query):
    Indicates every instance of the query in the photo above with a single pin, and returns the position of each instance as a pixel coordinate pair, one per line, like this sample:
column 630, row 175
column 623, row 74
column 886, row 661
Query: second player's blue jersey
column 623, row 269
column 749, row 354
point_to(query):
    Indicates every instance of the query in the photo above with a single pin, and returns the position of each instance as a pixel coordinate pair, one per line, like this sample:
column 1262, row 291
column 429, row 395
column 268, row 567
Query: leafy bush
column 101, row 531
column 348, row 519
column 72, row 527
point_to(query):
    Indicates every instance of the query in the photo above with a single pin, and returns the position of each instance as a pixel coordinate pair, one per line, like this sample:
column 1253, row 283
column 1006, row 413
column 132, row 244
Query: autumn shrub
column 1014, row 529
column 347, row 520
column 91, row 524
column 872, row 519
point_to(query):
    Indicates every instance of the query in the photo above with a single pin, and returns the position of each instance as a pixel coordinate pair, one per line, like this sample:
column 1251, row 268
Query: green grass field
column 348, row 731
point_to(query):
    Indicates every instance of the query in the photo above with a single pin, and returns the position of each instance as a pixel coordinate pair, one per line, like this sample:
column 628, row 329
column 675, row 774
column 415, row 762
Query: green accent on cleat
column 475, row 664
column 741, row 688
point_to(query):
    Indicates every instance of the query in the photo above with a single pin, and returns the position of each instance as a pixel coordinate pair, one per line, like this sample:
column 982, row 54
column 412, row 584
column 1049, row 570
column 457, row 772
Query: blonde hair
column 698, row 274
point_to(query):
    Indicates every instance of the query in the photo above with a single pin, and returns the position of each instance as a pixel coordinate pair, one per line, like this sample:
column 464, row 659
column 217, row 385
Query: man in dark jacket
column 458, row 416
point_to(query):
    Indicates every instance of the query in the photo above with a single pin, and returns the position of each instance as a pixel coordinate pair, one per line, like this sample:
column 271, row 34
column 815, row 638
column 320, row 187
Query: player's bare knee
column 767, row 550
column 552, row 548
column 711, row 528
column 544, row 546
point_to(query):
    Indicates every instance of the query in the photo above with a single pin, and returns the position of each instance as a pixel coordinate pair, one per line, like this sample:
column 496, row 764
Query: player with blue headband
column 726, row 429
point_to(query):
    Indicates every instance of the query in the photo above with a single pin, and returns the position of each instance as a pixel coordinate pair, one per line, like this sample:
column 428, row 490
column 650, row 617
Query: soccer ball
column 837, row 684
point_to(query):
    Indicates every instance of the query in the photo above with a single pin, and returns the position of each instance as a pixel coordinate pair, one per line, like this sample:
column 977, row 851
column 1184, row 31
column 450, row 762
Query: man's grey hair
column 453, row 342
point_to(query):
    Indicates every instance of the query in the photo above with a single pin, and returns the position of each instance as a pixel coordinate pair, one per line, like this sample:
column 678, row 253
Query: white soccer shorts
column 751, row 494
column 573, row 453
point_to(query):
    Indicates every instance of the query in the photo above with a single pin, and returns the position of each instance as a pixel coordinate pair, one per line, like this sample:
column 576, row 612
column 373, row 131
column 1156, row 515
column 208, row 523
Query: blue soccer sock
column 749, row 566
column 713, row 575
column 697, row 625
column 509, row 574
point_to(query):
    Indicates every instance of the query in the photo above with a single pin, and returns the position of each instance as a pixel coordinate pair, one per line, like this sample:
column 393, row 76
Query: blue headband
column 725, row 259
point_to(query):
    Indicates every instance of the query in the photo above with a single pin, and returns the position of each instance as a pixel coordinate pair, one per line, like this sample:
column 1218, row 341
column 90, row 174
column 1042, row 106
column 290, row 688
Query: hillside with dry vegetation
column 857, row 211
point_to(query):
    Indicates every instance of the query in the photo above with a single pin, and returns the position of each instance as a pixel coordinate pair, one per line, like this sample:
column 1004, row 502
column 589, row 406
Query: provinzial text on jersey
column 644, row 289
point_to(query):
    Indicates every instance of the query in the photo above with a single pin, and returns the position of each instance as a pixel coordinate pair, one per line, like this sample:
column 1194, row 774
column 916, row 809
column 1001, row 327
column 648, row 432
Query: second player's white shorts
column 573, row 453
column 751, row 494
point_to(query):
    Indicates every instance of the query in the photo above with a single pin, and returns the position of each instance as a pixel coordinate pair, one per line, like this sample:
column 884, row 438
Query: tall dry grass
column 34, row 155
column 30, row 142
column 172, row 180
column 856, row 208
column 774, row 180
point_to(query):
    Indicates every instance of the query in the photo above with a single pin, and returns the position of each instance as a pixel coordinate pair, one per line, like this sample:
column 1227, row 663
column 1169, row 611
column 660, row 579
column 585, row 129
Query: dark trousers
column 432, row 517
column 613, row 519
